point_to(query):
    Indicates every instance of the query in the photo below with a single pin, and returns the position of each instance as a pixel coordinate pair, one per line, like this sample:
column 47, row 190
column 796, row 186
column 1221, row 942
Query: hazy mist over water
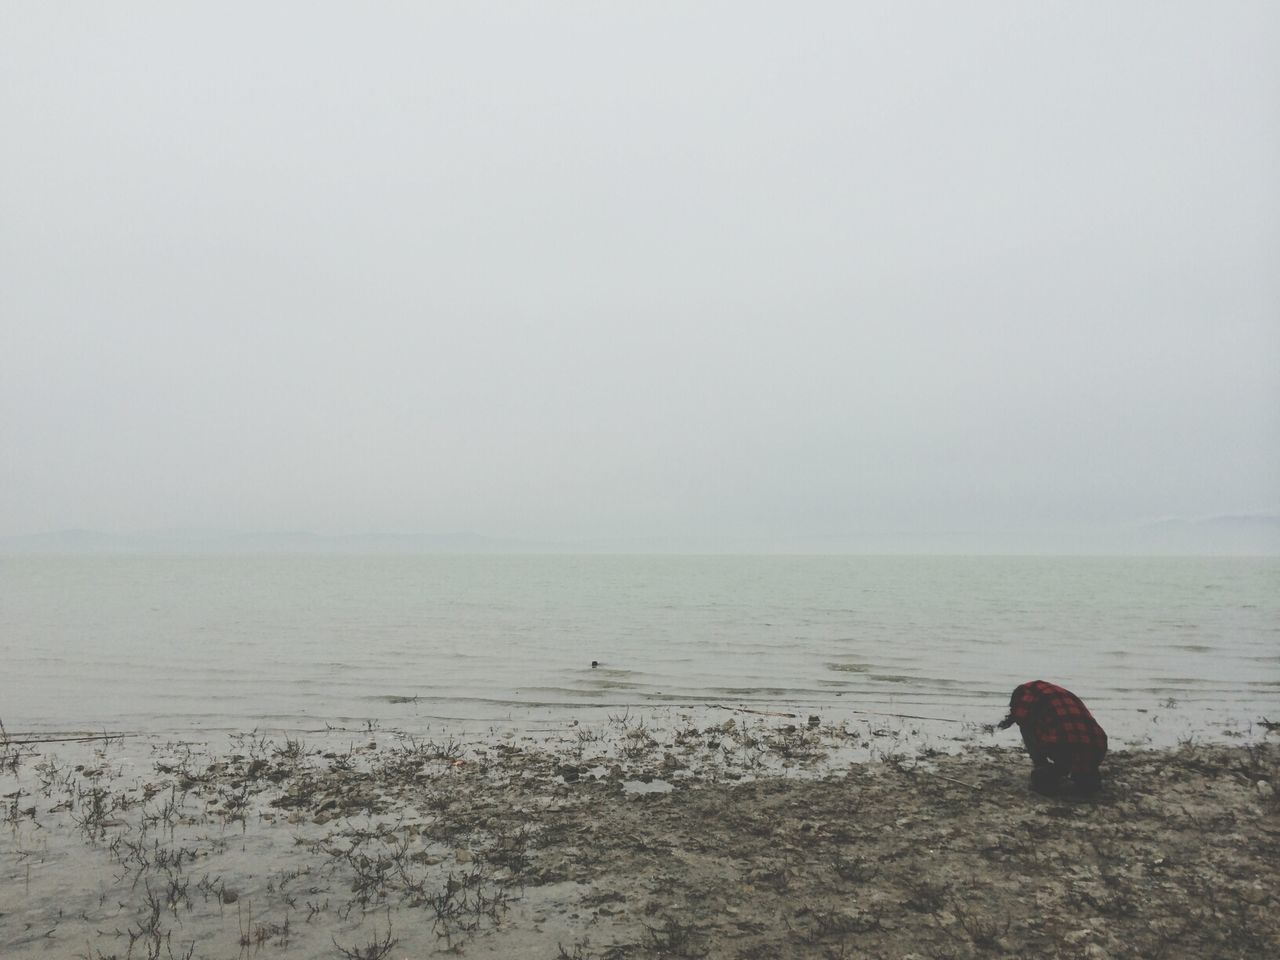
column 322, row 327
column 1159, row 647
column 979, row 277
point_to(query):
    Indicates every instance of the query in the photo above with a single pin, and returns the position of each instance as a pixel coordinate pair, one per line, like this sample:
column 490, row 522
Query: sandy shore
column 745, row 837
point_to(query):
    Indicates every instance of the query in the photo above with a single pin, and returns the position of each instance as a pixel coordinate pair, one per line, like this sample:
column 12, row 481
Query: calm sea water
column 182, row 643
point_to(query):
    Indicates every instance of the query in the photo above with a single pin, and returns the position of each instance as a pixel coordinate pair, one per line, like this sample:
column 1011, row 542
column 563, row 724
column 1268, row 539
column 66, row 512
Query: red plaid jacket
column 1058, row 721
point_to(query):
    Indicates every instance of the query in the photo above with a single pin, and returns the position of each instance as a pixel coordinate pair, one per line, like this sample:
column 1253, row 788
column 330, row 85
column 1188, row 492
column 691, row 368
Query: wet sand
column 718, row 836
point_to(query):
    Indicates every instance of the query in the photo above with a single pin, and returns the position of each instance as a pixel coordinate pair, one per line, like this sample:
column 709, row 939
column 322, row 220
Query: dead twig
column 100, row 736
column 971, row 786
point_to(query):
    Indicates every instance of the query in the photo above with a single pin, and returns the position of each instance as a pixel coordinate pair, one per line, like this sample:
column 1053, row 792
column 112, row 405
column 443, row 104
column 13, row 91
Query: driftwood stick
column 762, row 713
column 971, row 786
column 864, row 713
column 100, row 736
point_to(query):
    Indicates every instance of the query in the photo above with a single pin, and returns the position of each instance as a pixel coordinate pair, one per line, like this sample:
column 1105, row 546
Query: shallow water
column 182, row 643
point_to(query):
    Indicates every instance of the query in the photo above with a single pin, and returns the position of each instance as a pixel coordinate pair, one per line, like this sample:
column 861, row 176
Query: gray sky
column 584, row 270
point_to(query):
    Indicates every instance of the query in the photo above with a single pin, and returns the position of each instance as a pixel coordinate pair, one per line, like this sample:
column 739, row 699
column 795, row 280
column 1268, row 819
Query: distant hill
column 1227, row 535
column 93, row 542
column 65, row 541
column 1251, row 533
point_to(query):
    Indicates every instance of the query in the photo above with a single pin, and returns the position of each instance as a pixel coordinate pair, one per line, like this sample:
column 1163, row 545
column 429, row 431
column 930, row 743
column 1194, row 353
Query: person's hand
column 1006, row 723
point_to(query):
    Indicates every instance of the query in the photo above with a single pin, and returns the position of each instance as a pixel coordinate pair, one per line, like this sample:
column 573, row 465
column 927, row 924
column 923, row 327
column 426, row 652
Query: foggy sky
column 582, row 270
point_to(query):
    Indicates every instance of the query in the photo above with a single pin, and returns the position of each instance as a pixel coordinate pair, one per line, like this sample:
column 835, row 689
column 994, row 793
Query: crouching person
column 1064, row 740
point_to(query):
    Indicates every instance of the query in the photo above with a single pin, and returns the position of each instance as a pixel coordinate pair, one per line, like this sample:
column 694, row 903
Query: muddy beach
column 711, row 836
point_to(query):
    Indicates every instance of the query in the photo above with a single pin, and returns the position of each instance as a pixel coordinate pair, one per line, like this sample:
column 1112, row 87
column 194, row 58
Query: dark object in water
column 594, row 664
column 1060, row 734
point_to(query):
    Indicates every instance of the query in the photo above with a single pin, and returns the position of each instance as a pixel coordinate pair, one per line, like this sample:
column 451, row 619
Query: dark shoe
column 1046, row 781
column 1087, row 784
